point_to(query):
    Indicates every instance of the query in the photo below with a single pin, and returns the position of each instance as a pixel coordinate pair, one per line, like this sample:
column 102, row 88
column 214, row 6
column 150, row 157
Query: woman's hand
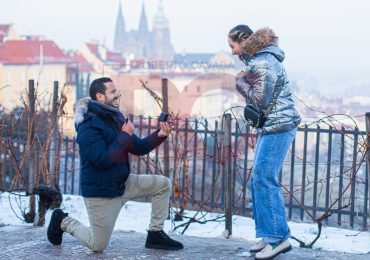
column 243, row 86
column 240, row 74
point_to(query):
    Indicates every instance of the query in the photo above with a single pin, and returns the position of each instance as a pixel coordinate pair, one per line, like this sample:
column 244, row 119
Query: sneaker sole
column 163, row 247
column 255, row 251
column 286, row 250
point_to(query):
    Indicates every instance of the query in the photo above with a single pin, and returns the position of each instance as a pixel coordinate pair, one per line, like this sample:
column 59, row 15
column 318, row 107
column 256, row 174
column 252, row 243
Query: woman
column 264, row 85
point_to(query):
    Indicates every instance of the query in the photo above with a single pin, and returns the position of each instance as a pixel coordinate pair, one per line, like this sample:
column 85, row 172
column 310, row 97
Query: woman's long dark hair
column 240, row 32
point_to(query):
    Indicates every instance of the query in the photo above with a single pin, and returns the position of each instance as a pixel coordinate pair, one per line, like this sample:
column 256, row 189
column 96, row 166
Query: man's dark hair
column 97, row 86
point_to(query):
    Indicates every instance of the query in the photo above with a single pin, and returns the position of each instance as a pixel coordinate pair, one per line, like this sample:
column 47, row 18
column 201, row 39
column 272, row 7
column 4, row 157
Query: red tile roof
column 83, row 64
column 4, row 28
column 111, row 56
column 28, row 52
column 115, row 57
column 94, row 48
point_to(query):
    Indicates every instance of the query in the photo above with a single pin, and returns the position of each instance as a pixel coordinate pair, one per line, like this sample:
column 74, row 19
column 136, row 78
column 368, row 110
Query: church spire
column 119, row 35
column 160, row 17
column 143, row 25
column 162, row 47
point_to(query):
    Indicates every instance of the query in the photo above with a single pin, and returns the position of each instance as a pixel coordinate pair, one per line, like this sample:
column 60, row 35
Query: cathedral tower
column 144, row 44
column 120, row 31
column 143, row 37
column 163, row 49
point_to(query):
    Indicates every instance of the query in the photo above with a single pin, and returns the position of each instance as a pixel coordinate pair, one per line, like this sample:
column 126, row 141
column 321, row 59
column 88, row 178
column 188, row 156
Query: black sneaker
column 55, row 232
column 160, row 240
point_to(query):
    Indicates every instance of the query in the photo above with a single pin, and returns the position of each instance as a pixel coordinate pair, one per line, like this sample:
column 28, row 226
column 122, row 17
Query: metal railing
column 324, row 170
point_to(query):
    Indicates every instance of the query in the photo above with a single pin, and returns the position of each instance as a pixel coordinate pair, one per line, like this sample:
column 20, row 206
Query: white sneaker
column 258, row 247
column 271, row 251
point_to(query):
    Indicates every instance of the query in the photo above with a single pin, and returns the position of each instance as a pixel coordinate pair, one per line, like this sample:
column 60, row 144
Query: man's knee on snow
column 98, row 247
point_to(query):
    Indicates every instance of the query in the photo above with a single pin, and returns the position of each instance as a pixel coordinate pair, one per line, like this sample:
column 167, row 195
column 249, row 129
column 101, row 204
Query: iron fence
column 324, row 170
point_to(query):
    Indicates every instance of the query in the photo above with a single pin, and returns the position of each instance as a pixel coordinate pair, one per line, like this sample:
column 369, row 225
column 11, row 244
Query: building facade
column 40, row 59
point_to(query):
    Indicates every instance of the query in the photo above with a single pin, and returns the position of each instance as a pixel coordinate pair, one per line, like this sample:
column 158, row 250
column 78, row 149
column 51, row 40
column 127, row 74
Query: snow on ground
column 135, row 216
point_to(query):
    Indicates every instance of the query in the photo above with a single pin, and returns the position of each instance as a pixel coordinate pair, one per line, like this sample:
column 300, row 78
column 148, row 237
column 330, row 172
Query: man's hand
column 128, row 127
column 165, row 129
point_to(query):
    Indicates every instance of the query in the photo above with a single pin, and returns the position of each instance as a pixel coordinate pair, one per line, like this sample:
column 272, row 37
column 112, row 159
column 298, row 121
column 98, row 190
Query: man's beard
column 111, row 102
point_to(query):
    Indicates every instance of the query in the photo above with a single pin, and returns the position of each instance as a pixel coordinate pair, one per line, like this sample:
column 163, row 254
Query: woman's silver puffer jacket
column 265, row 74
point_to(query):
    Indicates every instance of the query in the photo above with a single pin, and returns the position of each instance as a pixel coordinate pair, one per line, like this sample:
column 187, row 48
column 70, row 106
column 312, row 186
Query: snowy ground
column 135, row 217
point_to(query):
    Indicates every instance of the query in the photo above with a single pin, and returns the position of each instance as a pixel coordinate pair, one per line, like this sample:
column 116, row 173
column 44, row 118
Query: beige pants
column 103, row 212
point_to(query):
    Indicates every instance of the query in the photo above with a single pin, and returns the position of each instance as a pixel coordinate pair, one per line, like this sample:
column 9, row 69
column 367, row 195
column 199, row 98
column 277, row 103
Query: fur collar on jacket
column 259, row 40
column 80, row 109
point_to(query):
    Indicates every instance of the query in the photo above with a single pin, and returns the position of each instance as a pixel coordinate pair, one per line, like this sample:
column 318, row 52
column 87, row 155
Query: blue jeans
column 268, row 202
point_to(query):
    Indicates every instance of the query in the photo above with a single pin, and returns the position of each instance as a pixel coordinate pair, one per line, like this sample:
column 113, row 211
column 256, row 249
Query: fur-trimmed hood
column 263, row 40
column 80, row 109
column 86, row 105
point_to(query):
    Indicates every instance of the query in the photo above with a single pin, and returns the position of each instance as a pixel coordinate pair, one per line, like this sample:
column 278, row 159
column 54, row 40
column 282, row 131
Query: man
column 105, row 139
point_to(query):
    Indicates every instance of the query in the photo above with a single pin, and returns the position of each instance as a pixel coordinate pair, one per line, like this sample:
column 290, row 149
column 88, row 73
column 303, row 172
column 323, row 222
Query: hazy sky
column 329, row 39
